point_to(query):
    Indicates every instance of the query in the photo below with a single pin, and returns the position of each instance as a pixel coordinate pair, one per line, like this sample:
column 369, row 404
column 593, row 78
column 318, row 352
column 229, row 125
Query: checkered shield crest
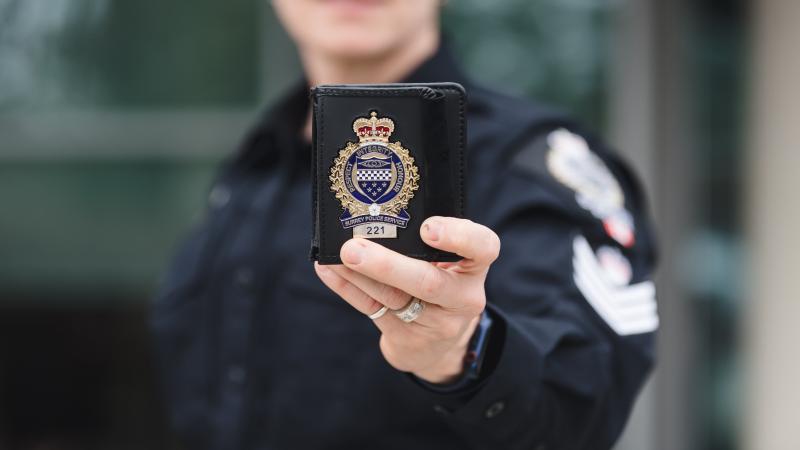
column 374, row 176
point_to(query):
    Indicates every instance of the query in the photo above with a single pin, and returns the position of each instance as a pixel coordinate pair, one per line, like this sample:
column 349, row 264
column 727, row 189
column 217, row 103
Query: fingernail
column 322, row 270
column 431, row 230
column 352, row 252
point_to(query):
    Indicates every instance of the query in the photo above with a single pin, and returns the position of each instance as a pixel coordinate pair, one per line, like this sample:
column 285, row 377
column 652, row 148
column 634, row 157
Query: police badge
column 374, row 180
column 370, row 185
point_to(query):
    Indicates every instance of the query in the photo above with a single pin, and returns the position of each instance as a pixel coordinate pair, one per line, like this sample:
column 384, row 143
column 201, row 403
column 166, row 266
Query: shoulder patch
column 571, row 162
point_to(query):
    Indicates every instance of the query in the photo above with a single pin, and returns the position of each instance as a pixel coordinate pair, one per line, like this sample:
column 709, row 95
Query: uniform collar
column 276, row 137
column 441, row 67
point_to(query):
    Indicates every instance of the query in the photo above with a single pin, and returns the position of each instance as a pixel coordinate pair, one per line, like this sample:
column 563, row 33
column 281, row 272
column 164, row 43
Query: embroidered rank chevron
column 627, row 309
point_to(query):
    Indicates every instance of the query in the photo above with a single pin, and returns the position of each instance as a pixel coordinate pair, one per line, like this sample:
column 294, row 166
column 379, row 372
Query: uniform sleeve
column 572, row 301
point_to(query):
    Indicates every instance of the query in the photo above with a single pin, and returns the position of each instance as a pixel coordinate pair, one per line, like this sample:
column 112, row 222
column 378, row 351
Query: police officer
column 540, row 337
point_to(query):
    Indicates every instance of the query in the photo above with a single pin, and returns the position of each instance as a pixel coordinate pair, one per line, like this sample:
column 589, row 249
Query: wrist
column 451, row 364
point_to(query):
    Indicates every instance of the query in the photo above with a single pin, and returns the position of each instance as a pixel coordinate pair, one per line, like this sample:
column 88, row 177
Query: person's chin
column 353, row 9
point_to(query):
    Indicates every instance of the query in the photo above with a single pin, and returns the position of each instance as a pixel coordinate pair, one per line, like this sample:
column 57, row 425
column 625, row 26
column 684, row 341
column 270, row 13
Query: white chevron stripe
column 626, row 309
column 618, row 300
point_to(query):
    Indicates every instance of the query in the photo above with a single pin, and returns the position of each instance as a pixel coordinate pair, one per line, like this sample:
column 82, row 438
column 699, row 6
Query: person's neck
column 389, row 67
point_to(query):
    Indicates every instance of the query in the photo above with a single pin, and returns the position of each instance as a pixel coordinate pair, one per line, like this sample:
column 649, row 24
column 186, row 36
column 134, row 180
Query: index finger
column 418, row 278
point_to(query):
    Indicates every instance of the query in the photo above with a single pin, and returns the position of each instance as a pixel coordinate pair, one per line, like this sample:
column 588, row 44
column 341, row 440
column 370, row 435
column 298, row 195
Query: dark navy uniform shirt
column 256, row 353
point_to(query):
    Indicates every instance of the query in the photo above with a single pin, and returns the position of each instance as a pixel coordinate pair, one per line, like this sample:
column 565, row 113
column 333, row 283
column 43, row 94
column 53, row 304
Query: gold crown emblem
column 373, row 129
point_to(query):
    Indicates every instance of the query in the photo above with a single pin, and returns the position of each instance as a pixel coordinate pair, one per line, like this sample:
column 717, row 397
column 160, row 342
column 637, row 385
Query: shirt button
column 236, row 374
column 494, row 410
column 439, row 409
column 244, row 276
column 219, row 196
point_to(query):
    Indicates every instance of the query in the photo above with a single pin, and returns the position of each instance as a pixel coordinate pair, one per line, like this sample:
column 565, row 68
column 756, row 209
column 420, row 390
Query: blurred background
column 114, row 114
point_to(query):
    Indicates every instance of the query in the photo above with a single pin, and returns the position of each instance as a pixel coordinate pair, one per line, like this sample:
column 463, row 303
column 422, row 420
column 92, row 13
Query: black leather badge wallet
column 385, row 158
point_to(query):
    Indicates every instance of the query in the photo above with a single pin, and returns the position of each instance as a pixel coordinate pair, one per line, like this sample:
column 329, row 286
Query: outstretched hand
column 433, row 346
